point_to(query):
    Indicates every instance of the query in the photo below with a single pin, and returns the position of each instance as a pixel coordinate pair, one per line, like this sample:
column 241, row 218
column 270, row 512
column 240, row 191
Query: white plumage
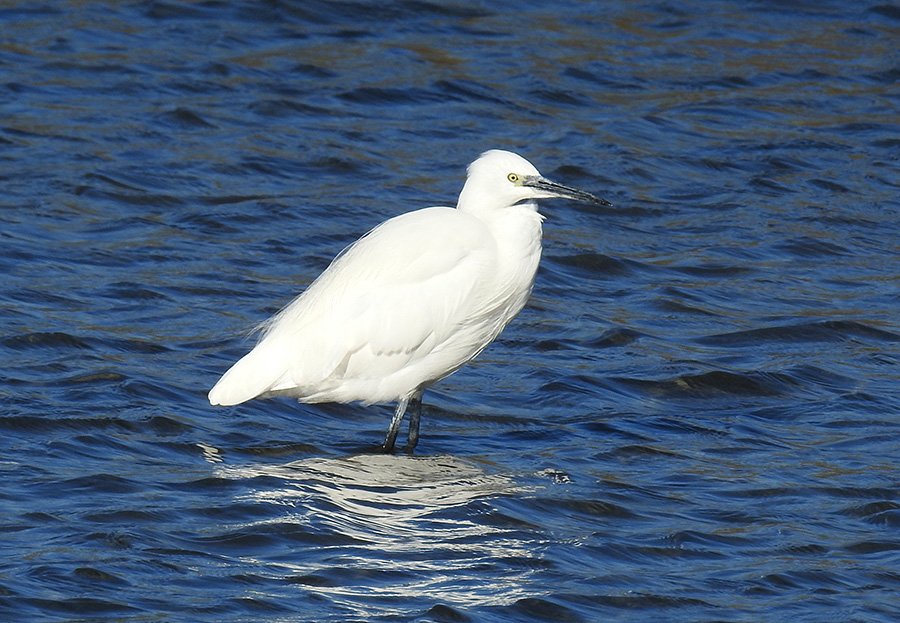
column 408, row 303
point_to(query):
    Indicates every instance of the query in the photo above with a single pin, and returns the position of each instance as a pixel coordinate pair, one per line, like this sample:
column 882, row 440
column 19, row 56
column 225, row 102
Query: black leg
column 395, row 425
column 415, row 403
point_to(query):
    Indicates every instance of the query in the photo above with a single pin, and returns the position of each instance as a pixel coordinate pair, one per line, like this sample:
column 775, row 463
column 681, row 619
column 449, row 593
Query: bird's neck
column 478, row 200
column 517, row 233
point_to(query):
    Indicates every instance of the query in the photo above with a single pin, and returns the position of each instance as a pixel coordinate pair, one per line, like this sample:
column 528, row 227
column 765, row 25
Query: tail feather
column 251, row 376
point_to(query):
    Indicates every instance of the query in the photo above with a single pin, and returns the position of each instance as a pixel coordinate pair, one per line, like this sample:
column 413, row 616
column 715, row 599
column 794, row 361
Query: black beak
column 552, row 189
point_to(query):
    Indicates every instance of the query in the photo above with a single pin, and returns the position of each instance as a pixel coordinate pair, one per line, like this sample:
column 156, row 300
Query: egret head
column 499, row 179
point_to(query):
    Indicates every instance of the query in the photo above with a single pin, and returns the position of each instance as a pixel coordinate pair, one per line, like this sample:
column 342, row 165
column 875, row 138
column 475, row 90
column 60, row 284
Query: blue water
column 696, row 418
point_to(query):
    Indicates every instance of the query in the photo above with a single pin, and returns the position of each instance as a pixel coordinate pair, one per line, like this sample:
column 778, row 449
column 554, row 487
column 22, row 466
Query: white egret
column 410, row 302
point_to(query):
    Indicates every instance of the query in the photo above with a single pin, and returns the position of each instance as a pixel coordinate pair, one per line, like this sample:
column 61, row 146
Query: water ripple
column 694, row 419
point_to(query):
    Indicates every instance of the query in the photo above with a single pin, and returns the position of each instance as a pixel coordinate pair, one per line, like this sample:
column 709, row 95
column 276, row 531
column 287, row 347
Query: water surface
column 696, row 418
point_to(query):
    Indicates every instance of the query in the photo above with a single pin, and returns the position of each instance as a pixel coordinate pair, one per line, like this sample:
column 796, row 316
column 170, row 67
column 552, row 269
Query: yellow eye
column 512, row 177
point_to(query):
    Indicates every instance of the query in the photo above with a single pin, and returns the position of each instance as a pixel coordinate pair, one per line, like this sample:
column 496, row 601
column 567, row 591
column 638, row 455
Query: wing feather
column 395, row 310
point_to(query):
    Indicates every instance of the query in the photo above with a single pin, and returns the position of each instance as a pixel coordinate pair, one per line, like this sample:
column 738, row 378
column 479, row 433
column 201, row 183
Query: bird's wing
column 364, row 328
